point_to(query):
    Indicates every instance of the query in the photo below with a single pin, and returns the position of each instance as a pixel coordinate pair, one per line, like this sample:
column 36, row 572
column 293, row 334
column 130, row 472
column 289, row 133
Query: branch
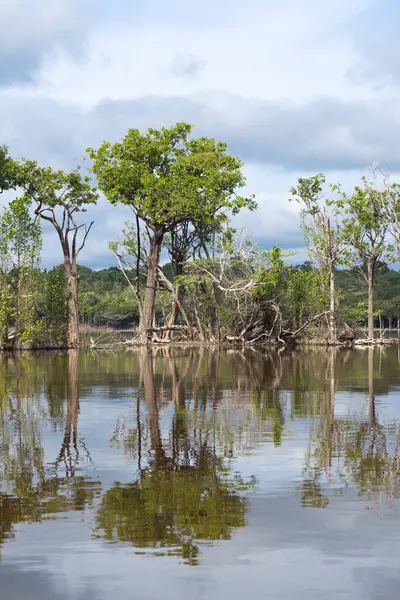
column 87, row 231
column 298, row 332
column 137, row 296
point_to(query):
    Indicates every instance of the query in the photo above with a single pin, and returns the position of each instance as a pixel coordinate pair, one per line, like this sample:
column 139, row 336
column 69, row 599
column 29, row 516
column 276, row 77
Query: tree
column 323, row 233
column 7, row 170
column 55, row 306
column 365, row 228
column 167, row 179
column 58, row 198
column 22, row 234
column 20, row 277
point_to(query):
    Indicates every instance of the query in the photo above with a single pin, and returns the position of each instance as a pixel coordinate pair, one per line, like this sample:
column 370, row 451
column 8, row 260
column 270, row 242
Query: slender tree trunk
column 177, row 302
column 196, row 312
column 332, row 393
column 332, row 320
column 371, row 406
column 177, row 296
column 370, row 279
column 390, row 324
column 147, row 320
column 71, row 273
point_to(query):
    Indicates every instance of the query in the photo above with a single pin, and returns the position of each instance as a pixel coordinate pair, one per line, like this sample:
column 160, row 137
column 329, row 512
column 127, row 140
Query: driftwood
column 167, row 328
column 292, row 336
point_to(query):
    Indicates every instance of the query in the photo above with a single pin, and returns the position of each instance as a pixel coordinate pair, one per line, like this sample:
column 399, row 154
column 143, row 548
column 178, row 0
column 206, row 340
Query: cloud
column 29, row 33
column 293, row 87
column 376, row 38
column 320, row 135
column 186, row 66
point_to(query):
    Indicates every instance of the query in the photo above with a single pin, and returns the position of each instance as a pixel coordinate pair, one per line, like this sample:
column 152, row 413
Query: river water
column 205, row 474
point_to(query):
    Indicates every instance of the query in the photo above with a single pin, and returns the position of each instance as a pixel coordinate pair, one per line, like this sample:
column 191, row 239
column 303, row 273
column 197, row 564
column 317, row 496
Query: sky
column 295, row 87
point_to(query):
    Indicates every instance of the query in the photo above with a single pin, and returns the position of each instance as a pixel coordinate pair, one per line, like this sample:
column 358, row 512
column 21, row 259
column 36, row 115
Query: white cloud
column 292, row 86
column 267, row 50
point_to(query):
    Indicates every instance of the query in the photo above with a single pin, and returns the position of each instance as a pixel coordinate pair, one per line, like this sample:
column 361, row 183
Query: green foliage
column 105, row 298
column 7, row 170
column 173, row 509
column 5, row 315
column 366, row 224
column 20, row 242
column 50, row 189
column 271, row 281
column 304, row 297
column 167, row 178
column 296, row 290
column 55, row 306
column 321, row 221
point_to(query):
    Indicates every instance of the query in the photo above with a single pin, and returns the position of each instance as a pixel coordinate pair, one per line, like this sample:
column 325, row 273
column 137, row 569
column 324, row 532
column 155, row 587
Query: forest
column 216, row 286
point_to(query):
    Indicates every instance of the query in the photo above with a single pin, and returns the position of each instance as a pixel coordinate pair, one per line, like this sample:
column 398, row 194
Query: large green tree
column 59, row 197
column 168, row 178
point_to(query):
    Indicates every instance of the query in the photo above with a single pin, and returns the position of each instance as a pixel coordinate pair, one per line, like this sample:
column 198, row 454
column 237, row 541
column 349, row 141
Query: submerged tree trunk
column 370, row 280
column 149, row 303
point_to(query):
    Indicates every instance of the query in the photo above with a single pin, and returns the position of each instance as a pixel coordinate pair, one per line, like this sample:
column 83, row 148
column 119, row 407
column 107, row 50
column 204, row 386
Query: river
column 176, row 473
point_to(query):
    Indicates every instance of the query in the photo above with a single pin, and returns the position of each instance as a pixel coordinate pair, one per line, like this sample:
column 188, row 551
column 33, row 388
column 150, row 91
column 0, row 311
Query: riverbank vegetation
column 213, row 284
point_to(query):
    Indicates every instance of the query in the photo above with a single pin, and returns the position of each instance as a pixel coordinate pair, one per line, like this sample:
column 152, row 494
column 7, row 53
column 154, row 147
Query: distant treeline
column 105, row 297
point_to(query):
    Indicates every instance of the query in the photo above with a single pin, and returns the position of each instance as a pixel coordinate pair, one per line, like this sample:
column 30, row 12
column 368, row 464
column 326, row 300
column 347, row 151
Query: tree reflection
column 350, row 451
column 185, row 494
column 30, row 489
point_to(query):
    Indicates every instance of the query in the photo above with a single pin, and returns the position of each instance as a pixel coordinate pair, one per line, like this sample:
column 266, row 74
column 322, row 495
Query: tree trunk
column 146, row 322
column 371, row 405
column 71, row 273
column 390, row 324
column 177, row 297
column 370, row 279
column 147, row 375
column 71, row 423
column 332, row 320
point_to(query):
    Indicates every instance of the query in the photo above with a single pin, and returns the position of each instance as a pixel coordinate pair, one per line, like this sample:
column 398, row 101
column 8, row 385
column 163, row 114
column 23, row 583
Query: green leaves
column 365, row 223
column 51, row 189
column 168, row 178
column 7, row 170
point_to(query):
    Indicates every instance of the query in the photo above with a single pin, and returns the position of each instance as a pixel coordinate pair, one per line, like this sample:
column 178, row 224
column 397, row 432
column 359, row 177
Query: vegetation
column 168, row 180
column 216, row 286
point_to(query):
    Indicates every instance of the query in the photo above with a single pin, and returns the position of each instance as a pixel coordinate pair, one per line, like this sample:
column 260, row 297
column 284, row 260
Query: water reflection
column 30, row 489
column 184, row 493
column 354, row 449
column 169, row 480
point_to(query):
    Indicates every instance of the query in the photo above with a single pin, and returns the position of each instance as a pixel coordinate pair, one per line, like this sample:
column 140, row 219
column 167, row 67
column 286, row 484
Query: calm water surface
column 208, row 474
